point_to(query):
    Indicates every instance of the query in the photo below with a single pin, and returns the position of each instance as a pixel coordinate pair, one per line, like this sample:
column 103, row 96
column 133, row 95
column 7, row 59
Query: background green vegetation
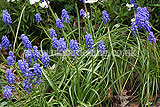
column 88, row 80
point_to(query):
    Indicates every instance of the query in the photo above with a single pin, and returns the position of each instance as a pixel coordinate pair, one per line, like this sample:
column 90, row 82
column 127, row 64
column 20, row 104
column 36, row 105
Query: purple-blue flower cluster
column 65, row 16
column 134, row 3
column 35, row 53
column 6, row 17
column 151, row 38
column 82, row 0
column 101, row 47
column 10, row 76
column 0, row 46
column 10, row 58
column 62, row 45
column 141, row 18
column 27, row 86
column 134, row 28
column 105, row 17
column 7, row 91
column 141, row 21
column 24, row 67
column 5, row 42
column 28, row 55
column 26, row 41
column 28, row 74
column 89, row 41
column 38, row 18
column 53, row 33
column 55, row 42
column 45, row 59
column 59, row 24
column 37, row 72
column 74, row 47
column 82, row 12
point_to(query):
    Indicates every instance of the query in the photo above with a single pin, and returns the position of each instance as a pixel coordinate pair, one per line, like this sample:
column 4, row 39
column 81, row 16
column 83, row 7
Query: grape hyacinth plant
column 27, row 86
column 45, row 59
column 10, row 58
column 151, row 38
column 37, row 72
column 53, row 33
column 0, row 46
column 6, row 17
column 82, row 0
column 133, row 3
column 35, row 53
column 59, row 24
column 65, row 16
column 26, row 41
column 105, row 17
column 7, row 91
column 23, row 66
column 141, row 21
column 74, row 47
column 82, row 13
column 141, row 18
column 5, row 42
column 62, row 45
column 38, row 18
column 55, row 42
column 10, row 77
column 89, row 41
column 28, row 55
column 134, row 28
column 101, row 47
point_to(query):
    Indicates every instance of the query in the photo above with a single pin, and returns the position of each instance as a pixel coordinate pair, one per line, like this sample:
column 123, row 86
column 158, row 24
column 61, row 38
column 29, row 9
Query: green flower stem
column 71, row 31
column 2, row 57
column 42, row 44
column 52, row 84
column 53, row 14
column 12, row 31
column 88, row 20
column 64, row 34
column 45, row 31
column 154, row 28
column 114, row 57
column 86, row 25
column 18, row 29
column 79, row 27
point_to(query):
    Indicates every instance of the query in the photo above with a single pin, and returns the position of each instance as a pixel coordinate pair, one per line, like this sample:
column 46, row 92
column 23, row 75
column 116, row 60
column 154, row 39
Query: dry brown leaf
column 18, row 79
column 134, row 105
column 109, row 94
column 3, row 66
column 149, row 9
column 11, row 68
column 2, row 95
column 17, row 95
column 21, row 53
column 124, row 92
